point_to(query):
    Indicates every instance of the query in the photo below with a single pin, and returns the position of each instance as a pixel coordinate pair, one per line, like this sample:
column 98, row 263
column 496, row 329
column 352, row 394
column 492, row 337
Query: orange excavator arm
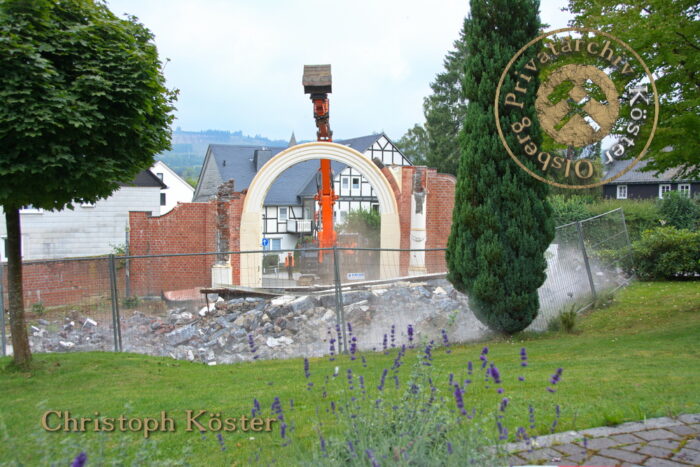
column 317, row 82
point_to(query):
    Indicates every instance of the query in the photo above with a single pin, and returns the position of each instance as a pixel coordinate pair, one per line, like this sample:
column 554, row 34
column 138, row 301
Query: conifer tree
column 502, row 223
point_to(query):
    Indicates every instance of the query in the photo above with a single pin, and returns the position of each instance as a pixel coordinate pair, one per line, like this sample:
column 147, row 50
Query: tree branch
column 688, row 41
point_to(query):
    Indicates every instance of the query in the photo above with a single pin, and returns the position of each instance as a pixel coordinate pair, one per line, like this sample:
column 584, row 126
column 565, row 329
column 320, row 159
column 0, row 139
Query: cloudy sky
column 238, row 63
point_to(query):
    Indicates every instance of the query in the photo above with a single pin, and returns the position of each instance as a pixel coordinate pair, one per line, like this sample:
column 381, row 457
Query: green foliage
column 502, row 221
column 83, row 103
column 640, row 215
column 665, row 34
column 38, row 308
column 679, row 211
column 445, row 110
column 414, row 145
column 131, row 302
column 664, row 253
column 567, row 209
column 365, row 223
column 270, row 261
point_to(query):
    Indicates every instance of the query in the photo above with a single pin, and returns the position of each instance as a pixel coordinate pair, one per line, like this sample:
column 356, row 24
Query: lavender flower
column 307, row 373
column 283, row 430
column 79, row 460
column 353, row 347
column 504, row 404
column 459, row 400
column 351, row 448
column 503, row 431
column 323, row 444
column 339, row 334
column 556, row 419
column 410, row 335
column 396, row 381
column 256, row 408
column 381, row 382
column 495, row 374
column 427, row 354
column 452, row 377
column 523, row 357
column 449, row 448
column 555, row 379
column 332, row 349
column 469, row 367
column 483, row 358
column 364, row 361
column 393, row 336
column 531, row 410
column 521, row 378
column 371, row 457
column 445, row 341
column 333, row 406
column 220, row 438
column 384, row 344
column 362, row 383
column 251, row 344
column 349, row 329
column 350, row 379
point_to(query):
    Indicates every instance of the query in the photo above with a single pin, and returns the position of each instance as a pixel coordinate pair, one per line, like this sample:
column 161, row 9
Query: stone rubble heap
column 282, row 327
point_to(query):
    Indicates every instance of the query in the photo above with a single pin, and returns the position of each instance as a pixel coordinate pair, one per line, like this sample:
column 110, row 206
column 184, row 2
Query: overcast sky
column 238, row 63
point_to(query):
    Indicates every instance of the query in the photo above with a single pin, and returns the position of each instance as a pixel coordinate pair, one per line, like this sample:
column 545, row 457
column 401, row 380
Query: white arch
column 251, row 217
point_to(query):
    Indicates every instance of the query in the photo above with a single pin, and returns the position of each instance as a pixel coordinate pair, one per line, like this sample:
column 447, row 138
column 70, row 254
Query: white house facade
column 177, row 191
column 88, row 229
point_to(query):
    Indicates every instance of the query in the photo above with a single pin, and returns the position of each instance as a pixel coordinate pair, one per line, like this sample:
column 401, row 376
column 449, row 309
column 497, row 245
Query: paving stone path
column 659, row 442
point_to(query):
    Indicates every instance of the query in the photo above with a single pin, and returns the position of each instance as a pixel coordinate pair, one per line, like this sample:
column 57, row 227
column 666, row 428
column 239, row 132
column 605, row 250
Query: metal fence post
column 3, row 336
column 339, row 307
column 624, row 226
column 585, row 258
column 127, row 273
column 115, row 304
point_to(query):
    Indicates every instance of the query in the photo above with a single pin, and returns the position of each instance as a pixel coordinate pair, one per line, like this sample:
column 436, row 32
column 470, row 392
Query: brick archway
column 251, row 216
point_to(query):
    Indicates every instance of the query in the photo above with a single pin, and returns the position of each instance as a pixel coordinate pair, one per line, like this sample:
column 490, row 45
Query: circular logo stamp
column 594, row 101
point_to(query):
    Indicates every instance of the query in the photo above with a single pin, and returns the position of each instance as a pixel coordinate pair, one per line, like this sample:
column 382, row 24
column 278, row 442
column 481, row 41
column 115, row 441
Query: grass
column 639, row 357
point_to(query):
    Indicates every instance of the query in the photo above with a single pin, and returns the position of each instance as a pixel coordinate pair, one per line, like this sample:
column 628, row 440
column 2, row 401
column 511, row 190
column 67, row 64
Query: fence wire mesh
column 223, row 307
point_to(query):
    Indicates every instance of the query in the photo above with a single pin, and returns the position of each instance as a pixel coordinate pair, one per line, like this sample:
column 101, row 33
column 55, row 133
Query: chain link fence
column 288, row 303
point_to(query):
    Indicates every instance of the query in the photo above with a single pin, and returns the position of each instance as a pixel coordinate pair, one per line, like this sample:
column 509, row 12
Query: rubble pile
column 287, row 326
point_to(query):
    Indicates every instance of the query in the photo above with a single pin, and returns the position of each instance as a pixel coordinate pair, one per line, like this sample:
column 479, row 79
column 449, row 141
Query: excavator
column 317, row 82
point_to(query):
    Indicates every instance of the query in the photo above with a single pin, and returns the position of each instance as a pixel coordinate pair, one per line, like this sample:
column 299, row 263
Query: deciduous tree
column 83, row 107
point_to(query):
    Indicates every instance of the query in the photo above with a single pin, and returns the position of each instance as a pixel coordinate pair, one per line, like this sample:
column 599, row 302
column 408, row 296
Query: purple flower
column 283, row 430
column 521, row 378
column 531, row 410
column 523, row 357
column 504, row 404
column 349, row 329
column 307, row 373
column 384, row 344
column 449, row 448
column 410, row 334
column 495, row 374
column 370, row 455
column 459, row 400
column 350, row 379
column 256, row 408
column 353, row 347
column 393, row 336
column 445, row 341
column 79, row 460
column 483, row 358
column 332, row 352
column 220, row 438
column 469, row 367
column 381, row 382
column 362, row 382
column 427, row 354
column 556, row 376
column 251, row 344
column 452, row 377
column 351, row 447
column 323, row 443
column 396, row 381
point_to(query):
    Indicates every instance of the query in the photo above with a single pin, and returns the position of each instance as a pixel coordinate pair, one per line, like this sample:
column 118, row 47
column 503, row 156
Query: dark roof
column 146, row 178
column 237, row 163
column 635, row 175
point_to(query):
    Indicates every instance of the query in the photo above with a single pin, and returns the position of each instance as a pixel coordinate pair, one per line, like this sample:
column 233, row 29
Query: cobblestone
column 662, row 442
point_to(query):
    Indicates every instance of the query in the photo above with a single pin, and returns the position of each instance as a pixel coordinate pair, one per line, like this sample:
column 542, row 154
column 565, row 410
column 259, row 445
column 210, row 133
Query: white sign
column 356, row 276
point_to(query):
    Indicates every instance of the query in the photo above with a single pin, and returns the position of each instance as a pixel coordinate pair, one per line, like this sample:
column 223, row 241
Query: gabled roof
column 145, row 178
column 172, row 174
column 237, row 163
column 635, row 175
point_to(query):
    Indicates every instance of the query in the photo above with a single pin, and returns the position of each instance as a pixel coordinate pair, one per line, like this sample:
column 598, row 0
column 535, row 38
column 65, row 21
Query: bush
column 270, row 261
column 679, row 211
column 567, row 209
column 640, row 215
column 664, row 253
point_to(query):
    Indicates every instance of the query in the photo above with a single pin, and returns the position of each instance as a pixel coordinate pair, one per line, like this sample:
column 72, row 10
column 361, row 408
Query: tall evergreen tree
column 445, row 109
column 502, row 223
column 414, row 145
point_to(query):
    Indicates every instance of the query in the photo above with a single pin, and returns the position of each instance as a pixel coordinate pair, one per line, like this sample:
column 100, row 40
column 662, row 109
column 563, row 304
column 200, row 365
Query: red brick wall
column 62, row 282
column 188, row 228
column 441, row 199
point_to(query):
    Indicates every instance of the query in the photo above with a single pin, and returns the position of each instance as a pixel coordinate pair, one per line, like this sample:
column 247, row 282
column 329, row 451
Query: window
column 276, row 243
column 621, row 191
column 355, row 183
column 684, row 189
column 663, row 189
column 162, row 199
column 160, row 175
column 283, row 214
column 344, row 182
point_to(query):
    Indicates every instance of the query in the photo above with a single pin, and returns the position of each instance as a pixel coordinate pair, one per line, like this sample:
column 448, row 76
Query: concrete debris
column 280, row 327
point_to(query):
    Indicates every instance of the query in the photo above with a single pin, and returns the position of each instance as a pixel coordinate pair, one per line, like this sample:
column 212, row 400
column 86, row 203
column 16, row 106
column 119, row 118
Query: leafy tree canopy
column 414, row 145
column 83, row 103
column 665, row 33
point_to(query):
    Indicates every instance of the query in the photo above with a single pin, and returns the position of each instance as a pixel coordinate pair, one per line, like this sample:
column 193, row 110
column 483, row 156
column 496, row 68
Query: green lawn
column 637, row 358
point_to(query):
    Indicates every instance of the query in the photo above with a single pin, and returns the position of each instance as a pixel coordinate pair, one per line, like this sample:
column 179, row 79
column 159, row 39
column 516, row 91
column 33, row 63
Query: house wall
column 178, row 190
column 647, row 190
column 83, row 231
